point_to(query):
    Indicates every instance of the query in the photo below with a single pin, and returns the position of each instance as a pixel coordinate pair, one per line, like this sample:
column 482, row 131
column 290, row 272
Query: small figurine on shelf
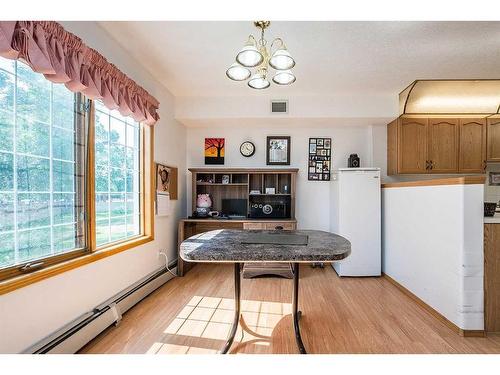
column 203, row 205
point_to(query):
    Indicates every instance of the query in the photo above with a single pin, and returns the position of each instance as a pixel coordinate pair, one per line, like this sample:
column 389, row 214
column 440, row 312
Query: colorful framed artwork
column 214, row 151
column 320, row 153
column 278, row 150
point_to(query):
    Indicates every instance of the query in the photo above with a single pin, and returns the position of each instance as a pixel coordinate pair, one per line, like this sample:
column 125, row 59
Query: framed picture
column 278, row 150
column 166, row 180
column 319, row 159
column 494, row 179
column 225, row 179
column 214, row 151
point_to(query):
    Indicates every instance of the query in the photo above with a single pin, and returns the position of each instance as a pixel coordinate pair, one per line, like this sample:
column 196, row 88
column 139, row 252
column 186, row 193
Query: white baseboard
column 81, row 331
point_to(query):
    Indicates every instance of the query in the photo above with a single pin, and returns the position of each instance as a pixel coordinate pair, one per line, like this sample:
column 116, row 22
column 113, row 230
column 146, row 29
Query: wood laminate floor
column 192, row 314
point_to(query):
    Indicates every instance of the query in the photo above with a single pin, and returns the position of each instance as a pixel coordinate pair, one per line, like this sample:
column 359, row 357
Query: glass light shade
column 249, row 56
column 284, row 77
column 282, row 60
column 259, row 82
column 238, row 73
column 451, row 96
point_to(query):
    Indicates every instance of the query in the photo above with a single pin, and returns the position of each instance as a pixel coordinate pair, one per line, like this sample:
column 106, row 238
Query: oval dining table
column 242, row 246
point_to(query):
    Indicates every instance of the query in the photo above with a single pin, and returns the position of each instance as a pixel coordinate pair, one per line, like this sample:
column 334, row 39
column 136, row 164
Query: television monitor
column 234, row 207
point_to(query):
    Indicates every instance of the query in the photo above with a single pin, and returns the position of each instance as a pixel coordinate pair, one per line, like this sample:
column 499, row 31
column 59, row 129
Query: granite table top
column 225, row 245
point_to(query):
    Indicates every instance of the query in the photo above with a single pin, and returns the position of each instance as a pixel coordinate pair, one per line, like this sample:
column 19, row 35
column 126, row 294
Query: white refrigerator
column 355, row 214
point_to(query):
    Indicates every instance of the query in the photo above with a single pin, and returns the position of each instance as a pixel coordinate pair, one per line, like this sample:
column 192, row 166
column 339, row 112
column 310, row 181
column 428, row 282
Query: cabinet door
column 392, row 148
column 412, row 146
column 443, row 145
column 493, row 136
column 472, row 154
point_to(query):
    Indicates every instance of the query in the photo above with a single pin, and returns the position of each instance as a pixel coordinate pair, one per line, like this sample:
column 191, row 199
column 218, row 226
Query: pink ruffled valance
column 62, row 57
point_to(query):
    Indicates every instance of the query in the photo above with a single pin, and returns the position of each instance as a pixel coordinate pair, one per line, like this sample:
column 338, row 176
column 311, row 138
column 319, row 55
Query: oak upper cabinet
column 493, row 152
column 412, row 145
column 442, row 153
column 423, row 145
column 472, row 154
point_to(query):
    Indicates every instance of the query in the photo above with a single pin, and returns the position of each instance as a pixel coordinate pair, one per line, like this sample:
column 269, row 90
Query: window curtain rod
column 62, row 57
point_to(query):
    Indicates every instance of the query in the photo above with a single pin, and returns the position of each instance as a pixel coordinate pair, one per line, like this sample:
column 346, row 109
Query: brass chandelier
column 255, row 54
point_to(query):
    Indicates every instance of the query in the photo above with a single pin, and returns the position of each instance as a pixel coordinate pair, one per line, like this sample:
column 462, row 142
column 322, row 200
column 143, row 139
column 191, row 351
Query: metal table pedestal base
column 296, row 314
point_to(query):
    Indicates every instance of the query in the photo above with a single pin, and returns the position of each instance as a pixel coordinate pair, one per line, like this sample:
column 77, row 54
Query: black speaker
column 353, row 161
column 269, row 206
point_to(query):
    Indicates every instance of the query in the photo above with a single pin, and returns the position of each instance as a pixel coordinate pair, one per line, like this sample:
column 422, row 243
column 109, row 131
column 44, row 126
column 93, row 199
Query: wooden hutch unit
column 248, row 186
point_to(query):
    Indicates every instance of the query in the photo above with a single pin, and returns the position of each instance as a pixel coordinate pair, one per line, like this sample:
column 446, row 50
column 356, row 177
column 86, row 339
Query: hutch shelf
column 248, row 187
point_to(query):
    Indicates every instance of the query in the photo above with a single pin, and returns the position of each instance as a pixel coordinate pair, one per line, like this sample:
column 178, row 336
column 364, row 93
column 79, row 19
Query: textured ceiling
column 333, row 58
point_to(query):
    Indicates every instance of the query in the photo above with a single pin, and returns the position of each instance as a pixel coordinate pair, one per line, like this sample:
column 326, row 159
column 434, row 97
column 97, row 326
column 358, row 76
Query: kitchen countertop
column 492, row 219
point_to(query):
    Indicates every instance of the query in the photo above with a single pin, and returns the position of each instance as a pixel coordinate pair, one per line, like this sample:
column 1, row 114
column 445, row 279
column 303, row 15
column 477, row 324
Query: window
column 54, row 205
column 117, row 193
column 41, row 185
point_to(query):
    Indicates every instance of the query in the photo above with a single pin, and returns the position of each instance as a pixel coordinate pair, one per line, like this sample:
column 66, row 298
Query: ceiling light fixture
column 255, row 54
column 455, row 96
column 238, row 73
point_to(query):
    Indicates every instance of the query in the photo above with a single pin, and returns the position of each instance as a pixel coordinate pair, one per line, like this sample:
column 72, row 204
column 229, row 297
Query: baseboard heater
column 82, row 330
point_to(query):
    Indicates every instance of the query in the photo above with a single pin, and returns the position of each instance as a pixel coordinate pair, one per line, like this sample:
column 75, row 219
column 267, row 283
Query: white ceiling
column 333, row 58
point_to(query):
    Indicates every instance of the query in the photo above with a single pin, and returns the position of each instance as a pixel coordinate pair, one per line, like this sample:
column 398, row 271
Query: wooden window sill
column 14, row 283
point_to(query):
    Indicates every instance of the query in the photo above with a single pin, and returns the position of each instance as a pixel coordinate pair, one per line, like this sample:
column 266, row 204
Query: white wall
column 29, row 314
column 312, row 196
column 257, row 105
column 432, row 244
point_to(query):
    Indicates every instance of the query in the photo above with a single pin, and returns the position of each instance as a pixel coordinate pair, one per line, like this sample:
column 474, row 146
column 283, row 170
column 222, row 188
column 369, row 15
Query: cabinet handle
column 431, row 164
column 484, row 165
column 278, row 227
column 427, row 164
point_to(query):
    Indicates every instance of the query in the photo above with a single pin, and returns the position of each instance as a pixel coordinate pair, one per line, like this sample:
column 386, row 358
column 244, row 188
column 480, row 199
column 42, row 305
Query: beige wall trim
column 429, row 309
column 465, row 180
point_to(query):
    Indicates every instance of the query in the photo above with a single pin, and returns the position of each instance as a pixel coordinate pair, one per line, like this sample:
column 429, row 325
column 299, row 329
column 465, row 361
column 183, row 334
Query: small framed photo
column 494, row 179
column 320, row 141
column 278, row 150
column 270, row 191
column 312, row 148
column 328, row 143
column 166, row 180
column 225, row 179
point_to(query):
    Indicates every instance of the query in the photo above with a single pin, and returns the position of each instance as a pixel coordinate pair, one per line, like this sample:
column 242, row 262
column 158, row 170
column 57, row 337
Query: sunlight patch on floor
column 211, row 318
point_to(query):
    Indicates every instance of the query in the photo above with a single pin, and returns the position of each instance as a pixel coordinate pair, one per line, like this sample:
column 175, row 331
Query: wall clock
column 247, row 149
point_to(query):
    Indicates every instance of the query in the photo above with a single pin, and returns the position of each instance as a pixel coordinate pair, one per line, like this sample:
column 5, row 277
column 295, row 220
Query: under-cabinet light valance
column 450, row 97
